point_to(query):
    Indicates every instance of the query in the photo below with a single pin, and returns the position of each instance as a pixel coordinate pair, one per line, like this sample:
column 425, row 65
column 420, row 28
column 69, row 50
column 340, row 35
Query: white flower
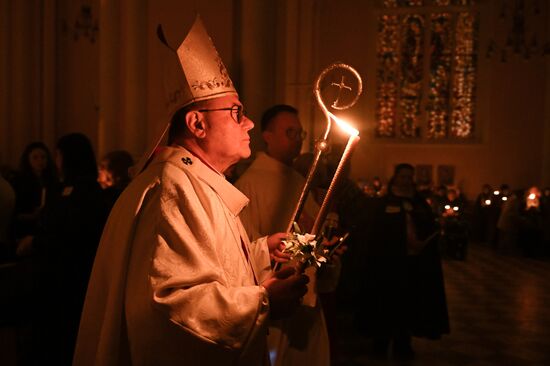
column 303, row 248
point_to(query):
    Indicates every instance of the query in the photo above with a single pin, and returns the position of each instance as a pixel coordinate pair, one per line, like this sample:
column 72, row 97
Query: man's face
column 104, row 176
column 284, row 137
column 226, row 141
column 404, row 181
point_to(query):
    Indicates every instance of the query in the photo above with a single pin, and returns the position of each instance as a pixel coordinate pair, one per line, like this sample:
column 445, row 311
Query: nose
column 247, row 124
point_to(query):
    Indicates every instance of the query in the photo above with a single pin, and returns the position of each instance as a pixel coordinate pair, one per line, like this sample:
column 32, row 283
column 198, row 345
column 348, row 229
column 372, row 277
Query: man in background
column 274, row 187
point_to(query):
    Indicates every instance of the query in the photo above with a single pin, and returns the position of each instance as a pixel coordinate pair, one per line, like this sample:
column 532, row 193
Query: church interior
column 459, row 89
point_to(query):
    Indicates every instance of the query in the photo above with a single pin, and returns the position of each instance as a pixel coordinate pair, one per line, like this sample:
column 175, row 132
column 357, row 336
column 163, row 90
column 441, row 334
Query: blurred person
column 454, row 227
column 530, row 222
column 439, row 200
column 114, row 176
column 483, row 221
column 402, row 290
column 7, row 206
column 508, row 224
column 369, row 190
column 63, row 250
column 114, row 169
column 176, row 280
column 35, row 184
column 378, row 187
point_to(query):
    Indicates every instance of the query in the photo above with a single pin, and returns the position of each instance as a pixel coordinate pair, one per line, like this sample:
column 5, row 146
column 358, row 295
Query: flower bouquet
column 308, row 249
column 304, row 248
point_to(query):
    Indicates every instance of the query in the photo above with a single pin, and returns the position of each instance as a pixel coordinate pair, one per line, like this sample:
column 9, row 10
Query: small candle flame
column 344, row 125
column 532, row 196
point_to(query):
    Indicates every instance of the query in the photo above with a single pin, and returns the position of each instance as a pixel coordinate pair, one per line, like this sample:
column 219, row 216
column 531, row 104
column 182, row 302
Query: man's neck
column 279, row 159
column 202, row 156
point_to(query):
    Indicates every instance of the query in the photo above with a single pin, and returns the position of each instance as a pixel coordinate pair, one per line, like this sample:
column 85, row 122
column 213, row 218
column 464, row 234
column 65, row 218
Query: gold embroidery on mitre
column 206, row 75
column 222, row 82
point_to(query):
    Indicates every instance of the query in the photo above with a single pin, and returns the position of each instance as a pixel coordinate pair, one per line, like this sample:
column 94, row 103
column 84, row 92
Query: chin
column 246, row 152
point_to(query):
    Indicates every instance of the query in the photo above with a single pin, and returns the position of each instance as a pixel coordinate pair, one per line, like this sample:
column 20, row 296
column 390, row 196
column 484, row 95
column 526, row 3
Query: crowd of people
column 179, row 266
column 513, row 222
column 53, row 226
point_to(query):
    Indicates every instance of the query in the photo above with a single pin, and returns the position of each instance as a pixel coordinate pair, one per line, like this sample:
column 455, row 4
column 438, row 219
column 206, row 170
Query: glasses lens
column 295, row 134
column 237, row 112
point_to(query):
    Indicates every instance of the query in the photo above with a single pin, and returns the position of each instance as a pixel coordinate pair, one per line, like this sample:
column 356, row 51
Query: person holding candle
column 176, row 280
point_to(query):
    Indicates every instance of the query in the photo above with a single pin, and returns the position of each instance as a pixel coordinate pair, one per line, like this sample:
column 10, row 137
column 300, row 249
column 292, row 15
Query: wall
column 510, row 110
column 51, row 84
column 21, row 96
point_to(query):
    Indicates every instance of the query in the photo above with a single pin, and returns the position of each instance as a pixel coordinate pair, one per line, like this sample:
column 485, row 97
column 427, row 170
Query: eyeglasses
column 237, row 112
column 296, row 134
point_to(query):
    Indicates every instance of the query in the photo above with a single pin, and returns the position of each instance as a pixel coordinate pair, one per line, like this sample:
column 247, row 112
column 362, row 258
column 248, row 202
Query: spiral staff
column 321, row 145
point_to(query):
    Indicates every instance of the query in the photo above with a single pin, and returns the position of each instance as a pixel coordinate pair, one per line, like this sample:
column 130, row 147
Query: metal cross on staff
column 322, row 144
column 341, row 85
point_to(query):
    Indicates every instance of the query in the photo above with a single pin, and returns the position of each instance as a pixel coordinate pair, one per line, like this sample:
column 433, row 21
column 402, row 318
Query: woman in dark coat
column 35, row 184
column 403, row 292
column 64, row 249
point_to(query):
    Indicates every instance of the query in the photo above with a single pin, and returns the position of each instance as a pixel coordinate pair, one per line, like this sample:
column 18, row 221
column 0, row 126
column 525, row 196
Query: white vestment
column 171, row 283
column 274, row 189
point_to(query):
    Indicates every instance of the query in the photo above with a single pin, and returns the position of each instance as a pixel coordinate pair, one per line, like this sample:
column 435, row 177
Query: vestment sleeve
column 260, row 253
column 190, row 277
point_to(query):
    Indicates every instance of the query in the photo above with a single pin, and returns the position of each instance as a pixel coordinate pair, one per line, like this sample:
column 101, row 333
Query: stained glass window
column 426, row 75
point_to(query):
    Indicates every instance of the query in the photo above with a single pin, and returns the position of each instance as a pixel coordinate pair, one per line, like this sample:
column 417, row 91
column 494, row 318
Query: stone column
column 109, row 76
column 48, row 131
column 545, row 175
column 297, row 59
column 134, row 76
column 256, row 81
column 5, row 94
column 22, row 65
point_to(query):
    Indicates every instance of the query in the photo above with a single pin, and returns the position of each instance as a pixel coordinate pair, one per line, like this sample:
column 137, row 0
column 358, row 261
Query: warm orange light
column 532, row 196
column 487, row 202
column 344, row 125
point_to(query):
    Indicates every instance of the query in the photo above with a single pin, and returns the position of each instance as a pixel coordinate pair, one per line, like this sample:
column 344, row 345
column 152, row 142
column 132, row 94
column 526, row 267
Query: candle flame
column 532, row 196
column 344, row 125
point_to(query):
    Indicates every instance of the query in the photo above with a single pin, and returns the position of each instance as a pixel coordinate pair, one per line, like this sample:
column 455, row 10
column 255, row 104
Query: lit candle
column 352, row 141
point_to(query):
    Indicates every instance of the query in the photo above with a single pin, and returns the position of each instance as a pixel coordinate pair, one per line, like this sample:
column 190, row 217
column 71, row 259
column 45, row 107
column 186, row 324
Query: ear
column 267, row 135
column 195, row 124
